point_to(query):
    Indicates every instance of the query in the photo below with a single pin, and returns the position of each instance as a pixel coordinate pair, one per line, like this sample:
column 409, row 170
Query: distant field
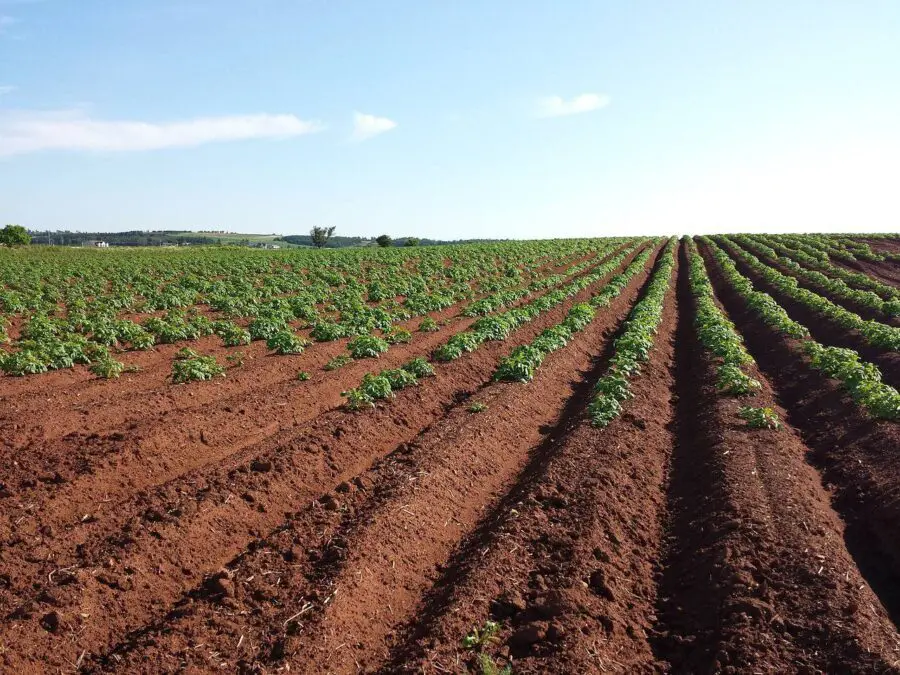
column 236, row 238
column 574, row 456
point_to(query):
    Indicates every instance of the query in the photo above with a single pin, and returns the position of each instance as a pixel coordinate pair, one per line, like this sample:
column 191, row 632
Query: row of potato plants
column 372, row 346
column 815, row 259
column 632, row 348
column 718, row 335
column 498, row 327
column 521, row 363
column 835, row 249
column 69, row 303
column 858, row 249
column 862, row 380
column 835, row 287
column 873, row 333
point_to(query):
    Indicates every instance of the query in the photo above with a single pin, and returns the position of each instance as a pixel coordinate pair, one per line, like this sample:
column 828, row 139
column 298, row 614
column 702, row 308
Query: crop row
column 835, row 287
column 632, row 347
column 861, row 379
column 521, row 363
column 873, row 333
column 74, row 315
column 500, row 325
column 524, row 360
column 815, row 259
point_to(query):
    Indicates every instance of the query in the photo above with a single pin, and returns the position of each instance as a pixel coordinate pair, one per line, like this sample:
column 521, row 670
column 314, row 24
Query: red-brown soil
column 380, row 537
column 192, row 524
column 144, row 445
column 252, row 525
column 756, row 576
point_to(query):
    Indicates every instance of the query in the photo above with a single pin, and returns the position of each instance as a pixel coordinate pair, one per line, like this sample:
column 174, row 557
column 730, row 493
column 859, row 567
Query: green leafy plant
column 357, row 399
column 760, row 418
column 190, row 366
column 287, row 342
column 372, row 388
column 399, row 378
column 236, row 359
column 338, row 361
column 367, row 347
column 376, row 387
column 633, row 346
column 397, row 335
column 326, row 331
column 477, row 407
column 488, row 667
column 303, row 376
column 232, row 335
column 520, row 365
column 861, row 379
column 428, row 325
column 732, row 380
column 482, row 637
column 419, row 367
column 107, row 368
column 456, row 346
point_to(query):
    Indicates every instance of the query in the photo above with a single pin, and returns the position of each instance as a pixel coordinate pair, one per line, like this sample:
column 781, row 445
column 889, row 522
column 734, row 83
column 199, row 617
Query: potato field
column 569, row 456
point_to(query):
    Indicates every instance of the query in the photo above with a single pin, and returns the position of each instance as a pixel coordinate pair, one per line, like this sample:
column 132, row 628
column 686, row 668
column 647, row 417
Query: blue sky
column 451, row 119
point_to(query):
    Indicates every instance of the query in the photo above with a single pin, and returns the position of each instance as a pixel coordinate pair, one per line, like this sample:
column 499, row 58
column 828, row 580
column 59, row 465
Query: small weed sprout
column 236, row 360
column 478, row 407
column 338, row 362
column 482, row 637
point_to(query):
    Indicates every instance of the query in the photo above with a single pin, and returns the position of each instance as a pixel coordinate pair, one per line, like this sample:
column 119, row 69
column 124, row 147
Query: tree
column 384, row 241
column 14, row 235
column 320, row 235
column 411, row 241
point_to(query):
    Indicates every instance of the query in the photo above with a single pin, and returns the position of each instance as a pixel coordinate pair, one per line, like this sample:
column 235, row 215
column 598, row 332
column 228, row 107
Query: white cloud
column 369, row 126
column 556, row 106
column 6, row 89
column 23, row 132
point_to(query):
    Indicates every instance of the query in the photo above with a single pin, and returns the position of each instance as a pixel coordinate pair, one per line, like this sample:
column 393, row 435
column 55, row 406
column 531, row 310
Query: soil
column 253, row 525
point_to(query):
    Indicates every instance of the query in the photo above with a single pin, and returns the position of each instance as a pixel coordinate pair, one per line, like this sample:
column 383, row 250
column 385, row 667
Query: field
column 569, row 456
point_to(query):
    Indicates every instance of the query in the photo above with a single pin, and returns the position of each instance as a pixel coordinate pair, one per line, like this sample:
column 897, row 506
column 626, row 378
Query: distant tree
column 14, row 235
column 320, row 235
column 411, row 241
column 384, row 241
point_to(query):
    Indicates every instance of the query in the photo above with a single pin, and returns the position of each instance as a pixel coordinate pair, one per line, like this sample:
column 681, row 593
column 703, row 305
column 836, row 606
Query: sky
column 451, row 118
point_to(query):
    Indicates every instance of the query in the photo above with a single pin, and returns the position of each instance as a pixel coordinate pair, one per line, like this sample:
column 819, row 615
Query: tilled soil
column 305, row 538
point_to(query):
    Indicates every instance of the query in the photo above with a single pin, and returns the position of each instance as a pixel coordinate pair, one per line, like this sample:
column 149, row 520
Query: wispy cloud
column 369, row 126
column 557, row 106
column 5, row 23
column 29, row 131
column 6, row 89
